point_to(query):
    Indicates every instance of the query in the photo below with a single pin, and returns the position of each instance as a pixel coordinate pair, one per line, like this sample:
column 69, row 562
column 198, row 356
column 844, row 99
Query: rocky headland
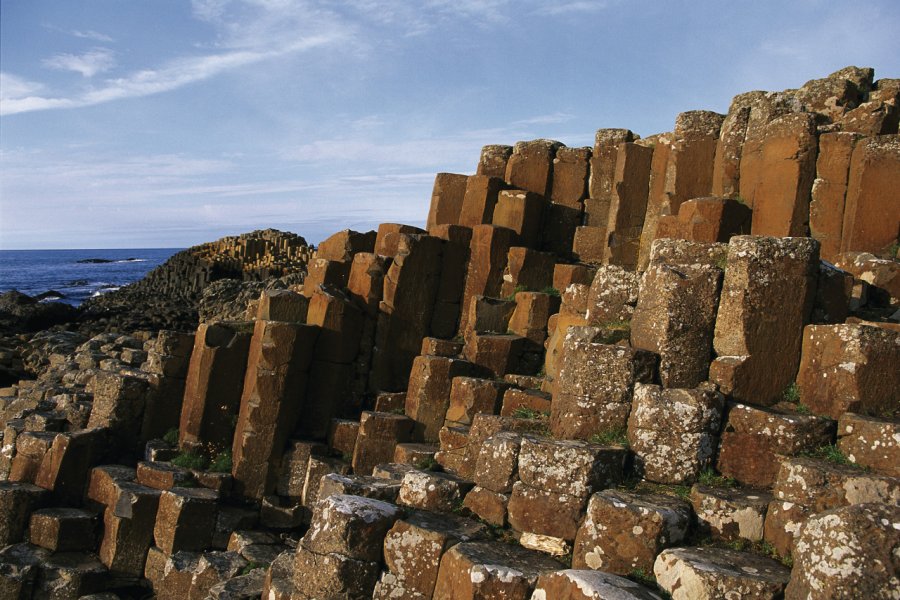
column 661, row 366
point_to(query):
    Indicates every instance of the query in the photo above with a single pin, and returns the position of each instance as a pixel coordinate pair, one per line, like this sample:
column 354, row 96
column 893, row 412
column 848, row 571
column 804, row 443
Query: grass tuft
column 611, row 437
column 550, row 291
column 171, row 437
column 523, row 412
column 191, row 460
column 221, row 463
column 710, row 478
column 832, row 454
column 428, row 464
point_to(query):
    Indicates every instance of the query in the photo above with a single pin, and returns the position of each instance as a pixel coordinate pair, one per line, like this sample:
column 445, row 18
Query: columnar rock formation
column 632, row 360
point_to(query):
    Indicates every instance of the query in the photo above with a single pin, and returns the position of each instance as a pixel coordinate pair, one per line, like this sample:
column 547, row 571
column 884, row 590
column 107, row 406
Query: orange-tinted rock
column 603, row 161
column 456, row 240
column 624, row 531
column 881, row 275
column 438, row 347
column 544, row 513
column 431, row 490
column 781, row 203
column 767, row 298
column 628, row 204
column 379, row 433
column 470, row 396
column 328, row 396
column 730, row 513
column 344, row 245
column 727, row 163
column 674, row 451
column 676, row 312
column 571, row 170
column 387, row 240
column 17, row 501
column 754, row 439
column 565, row 275
column 271, row 403
column 532, row 401
column 530, row 166
column 325, row 272
column 472, row 570
column 318, row 467
column 706, row 220
column 340, row 324
column 282, row 305
column 186, row 519
column 351, row 526
column 212, row 394
column 533, row 310
column 705, row 572
column 572, row 584
column 428, row 396
column 446, row 199
column 65, row 469
column 366, row 282
column 493, row 160
column 522, row 212
column 560, row 222
column 872, row 118
column 835, row 94
column 850, row 368
column 480, row 199
column 489, row 248
column 489, row 506
column 872, row 209
column 826, row 210
column 498, row 353
column 871, row 443
column 527, row 269
column 613, row 295
column 589, row 244
column 686, row 170
column 119, row 400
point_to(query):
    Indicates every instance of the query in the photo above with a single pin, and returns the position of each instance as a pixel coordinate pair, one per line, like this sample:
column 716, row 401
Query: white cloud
column 550, row 119
column 90, row 34
column 96, row 60
column 12, row 87
column 564, row 8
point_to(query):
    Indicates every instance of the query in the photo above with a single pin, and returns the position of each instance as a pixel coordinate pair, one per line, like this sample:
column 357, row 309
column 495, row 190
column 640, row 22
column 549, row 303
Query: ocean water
column 33, row 272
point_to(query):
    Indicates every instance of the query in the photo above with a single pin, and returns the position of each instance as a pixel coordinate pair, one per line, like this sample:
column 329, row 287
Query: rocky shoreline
column 655, row 367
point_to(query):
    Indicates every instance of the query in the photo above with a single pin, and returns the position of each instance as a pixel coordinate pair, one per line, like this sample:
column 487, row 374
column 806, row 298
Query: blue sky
column 164, row 123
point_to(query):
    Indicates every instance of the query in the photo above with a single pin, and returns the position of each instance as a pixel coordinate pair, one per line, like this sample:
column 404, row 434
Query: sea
column 76, row 274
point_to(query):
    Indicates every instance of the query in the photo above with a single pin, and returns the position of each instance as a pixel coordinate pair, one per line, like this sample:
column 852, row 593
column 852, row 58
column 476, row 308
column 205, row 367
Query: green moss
column 791, row 394
column 832, row 454
column 710, row 478
column 611, row 437
column 523, row 412
column 171, row 437
column 250, row 566
column 550, row 291
column 221, row 463
column 191, row 460
column 428, row 464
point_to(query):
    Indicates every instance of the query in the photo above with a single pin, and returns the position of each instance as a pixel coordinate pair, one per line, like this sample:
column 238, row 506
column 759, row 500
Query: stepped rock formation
column 611, row 372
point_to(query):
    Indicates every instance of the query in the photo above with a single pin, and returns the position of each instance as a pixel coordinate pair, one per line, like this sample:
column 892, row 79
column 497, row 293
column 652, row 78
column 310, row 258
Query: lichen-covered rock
column 624, row 531
column 497, row 468
column 544, row 513
column 472, row 570
column 569, row 467
column 711, row 573
column 871, row 443
column 439, row 492
column 850, row 368
column 332, row 575
column 674, row 450
column 350, row 525
column 572, row 584
column 849, row 552
column 729, row 513
column 359, row 485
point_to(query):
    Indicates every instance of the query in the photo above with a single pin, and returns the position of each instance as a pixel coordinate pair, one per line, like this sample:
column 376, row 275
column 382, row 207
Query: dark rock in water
column 50, row 295
column 78, row 282
column 20, row 312
column 94, row 261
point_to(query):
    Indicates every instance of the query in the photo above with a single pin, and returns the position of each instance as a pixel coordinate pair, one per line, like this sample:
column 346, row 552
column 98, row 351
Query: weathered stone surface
column 754, row 440
column 569, row 467
column 603, row 161
column 530, row 167
column 104, row 481
column 271, row 403
column 711, row 219
column 613, row 295
column 279, row 582
column 493, row 160
column 322, row 271
column 572, row 584
column 428, row 395
column 69, row 575
column 829, row 190
column 446, row 199
column 624, row 531
column 333, row 576
column 222, row 575
column 480, row 199
column 707, row 573
column 872, row 118
column 781, row 202
column 589, row 244
column 19, row 567
column 387, row 241
column 516, row 401
column 881, row 275
column 163, row 475
column 128, row 530
column 342, row 435
column 17, row 501
column 674, row 451
column 62, row 529
column 428, row 490
column 544, row 512
column 282, row 513
column 497, row 468
column 379, row 433
column 318, row 467
column 726, row 166
column 488, row 252
column 119, row 400
column 681, row 169
column 850, row 368
column 522, row 212
column 186, row 520
column 571, row 173
column 470, row 396
column 848, row 552
column 628, row 205
column 488, row 505
column 595, row 385
column 489, row 570
column 343, row 246
column 415, row 544
column 729, row 513
column 488, row 315
column 872, row 208
column 767, row 297
column 171, row 576
column 499, row 354
column 352, row 526
column 283, row 305
column 65, row 468
column 834, row 293
column 675, row 318
column 528, row 269
column 212, row 394
column 871, row 443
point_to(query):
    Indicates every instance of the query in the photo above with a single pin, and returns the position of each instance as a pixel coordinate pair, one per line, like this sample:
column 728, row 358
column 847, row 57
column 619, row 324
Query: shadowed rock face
column 381, row 392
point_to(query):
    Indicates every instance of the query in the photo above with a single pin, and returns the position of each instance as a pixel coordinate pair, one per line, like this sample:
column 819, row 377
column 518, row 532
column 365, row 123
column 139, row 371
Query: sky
column 168, row 123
